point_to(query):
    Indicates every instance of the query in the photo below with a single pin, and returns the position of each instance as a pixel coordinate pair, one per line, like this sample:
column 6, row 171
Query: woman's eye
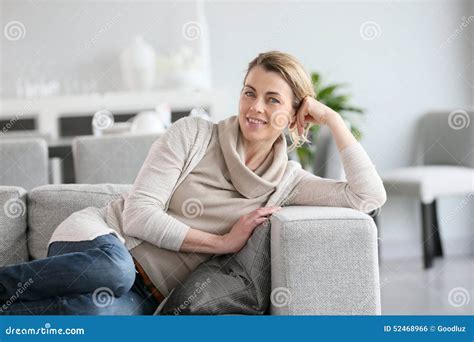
column 248, row 93
column 274, row 100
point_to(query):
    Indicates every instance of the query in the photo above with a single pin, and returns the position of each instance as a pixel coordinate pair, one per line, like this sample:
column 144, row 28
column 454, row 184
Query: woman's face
column 265, row 106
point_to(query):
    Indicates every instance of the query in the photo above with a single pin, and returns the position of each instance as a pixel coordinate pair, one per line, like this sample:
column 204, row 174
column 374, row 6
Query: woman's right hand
column 235, row 240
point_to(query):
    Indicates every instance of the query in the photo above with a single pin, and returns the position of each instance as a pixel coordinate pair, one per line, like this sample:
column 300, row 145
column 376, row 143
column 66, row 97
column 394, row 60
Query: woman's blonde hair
column 297, row 78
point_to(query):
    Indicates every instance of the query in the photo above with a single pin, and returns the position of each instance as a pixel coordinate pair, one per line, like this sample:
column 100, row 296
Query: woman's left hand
column 313, row 111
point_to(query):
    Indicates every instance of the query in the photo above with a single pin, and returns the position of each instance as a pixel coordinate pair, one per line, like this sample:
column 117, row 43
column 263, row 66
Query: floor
column 445, row 289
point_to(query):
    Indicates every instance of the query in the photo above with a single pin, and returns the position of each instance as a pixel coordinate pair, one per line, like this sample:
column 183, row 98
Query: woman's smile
column 255, row 123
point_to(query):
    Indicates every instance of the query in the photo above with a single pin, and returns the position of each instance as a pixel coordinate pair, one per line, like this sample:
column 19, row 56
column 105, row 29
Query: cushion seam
column 76, row 191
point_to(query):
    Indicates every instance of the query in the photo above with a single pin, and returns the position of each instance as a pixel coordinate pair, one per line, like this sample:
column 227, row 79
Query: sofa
column 324, row 260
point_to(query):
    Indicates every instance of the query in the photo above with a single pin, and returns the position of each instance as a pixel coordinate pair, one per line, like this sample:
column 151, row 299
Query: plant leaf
column 340, row 104
column 356, row 133
column 315, row 78
column 327, row 91
column 354, row 109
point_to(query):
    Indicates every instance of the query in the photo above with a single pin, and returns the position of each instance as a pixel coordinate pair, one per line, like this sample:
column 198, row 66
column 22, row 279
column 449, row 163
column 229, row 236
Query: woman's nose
column 258, row 106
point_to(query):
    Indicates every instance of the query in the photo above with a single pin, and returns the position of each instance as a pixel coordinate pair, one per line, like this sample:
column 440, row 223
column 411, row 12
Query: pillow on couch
column 227, row 284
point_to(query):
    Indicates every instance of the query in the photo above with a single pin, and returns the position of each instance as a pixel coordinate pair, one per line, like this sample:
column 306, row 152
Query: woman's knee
column 123, row 276
column 120, row 271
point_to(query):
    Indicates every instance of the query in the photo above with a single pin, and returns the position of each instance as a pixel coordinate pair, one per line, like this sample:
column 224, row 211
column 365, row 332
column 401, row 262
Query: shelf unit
column 48, row 113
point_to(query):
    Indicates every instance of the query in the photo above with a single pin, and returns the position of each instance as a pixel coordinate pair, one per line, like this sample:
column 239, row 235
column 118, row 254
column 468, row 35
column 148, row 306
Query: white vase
column 138, row 65
column 147, row 122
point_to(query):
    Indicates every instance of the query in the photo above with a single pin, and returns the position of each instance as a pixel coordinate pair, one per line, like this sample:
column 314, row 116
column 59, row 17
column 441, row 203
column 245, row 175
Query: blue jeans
column 94, row 277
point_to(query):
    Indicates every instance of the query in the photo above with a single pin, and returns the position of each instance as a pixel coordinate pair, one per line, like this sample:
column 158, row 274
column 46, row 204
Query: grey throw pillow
column 227, row 284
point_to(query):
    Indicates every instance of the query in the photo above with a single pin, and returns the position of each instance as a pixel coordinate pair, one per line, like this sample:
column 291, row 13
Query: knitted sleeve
column 363, row 189
column 144, row 215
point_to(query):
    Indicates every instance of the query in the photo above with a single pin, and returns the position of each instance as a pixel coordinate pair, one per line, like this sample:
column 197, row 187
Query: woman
column 202, row 190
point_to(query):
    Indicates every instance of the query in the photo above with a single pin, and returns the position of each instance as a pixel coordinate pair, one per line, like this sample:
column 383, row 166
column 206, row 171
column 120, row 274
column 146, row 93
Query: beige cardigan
column 141, row 214
column 215, row 194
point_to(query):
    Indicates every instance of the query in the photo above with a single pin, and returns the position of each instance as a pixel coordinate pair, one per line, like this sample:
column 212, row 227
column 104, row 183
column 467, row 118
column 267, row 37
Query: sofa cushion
column 227, row 284
column 49, row 205
column 428, row 182
column 12, row 225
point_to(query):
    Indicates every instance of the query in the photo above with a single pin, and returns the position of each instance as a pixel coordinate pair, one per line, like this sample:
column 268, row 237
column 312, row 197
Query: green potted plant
column 332, row 97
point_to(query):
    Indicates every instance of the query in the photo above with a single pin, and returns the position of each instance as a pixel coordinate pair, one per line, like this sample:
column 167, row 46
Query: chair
column 56, row 173
column 445, row 166
column 24, row 162
column 110, row 159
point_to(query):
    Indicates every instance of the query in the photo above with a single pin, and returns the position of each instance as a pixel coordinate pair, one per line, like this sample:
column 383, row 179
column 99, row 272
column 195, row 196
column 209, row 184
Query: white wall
column 418, row 62
column 83, row 39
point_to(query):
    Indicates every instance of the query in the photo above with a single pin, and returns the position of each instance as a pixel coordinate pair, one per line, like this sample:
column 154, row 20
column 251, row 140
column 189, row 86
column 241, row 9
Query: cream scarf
column 250, row 183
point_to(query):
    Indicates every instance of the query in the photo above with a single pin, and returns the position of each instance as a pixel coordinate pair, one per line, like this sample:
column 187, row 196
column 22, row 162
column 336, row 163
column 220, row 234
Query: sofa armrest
column 324, row 262
column 12, row 225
